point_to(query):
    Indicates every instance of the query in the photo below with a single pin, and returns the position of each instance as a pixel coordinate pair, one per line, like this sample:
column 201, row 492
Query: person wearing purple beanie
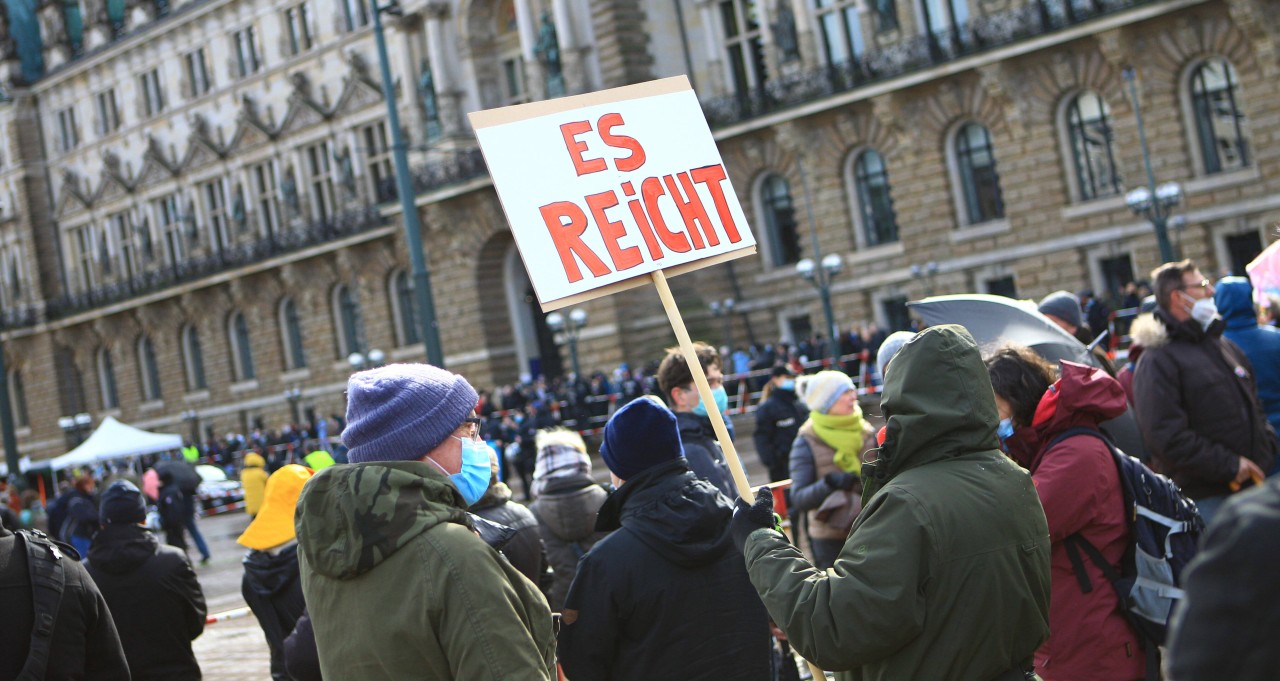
column 397, row 582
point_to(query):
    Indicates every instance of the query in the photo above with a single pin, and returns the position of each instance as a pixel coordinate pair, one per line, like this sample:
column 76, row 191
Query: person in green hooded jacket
column 945, row 574
column 397, row 582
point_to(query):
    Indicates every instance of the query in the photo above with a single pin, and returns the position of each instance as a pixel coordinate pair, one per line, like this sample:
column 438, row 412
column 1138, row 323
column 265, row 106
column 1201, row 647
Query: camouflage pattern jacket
column 399, row 586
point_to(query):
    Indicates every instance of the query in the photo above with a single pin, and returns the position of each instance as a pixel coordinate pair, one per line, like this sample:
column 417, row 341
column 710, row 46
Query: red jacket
column 1079, row 487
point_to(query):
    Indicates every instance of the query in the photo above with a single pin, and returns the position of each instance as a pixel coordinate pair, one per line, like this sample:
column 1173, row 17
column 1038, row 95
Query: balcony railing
column 918, row 53
column 460, row 167
column 18, row 317
column 238, row 255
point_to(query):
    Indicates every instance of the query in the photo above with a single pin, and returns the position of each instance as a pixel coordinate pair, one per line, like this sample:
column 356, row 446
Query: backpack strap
column 44, row 563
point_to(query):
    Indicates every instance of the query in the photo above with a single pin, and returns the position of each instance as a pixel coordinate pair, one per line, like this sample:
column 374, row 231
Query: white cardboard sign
column 605, row 188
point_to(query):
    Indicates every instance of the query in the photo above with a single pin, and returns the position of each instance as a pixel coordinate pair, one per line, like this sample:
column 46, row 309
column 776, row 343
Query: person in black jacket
column 271, row 586
column 675, row 380
column 778, row 421
column 666, row 596
column 524, row 549
column 155, row 599
column 85, row 644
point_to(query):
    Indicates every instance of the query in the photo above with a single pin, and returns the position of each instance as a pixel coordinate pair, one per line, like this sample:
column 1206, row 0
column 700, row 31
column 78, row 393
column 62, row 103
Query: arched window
column 193, row 359
column 241, row 350
column 877, row 220
column 18, row 400
column 295, row 356
column 346, row 318
column 148, row 370
column 975, row 163
column 107, row 379
column 779, row 216
column 403, row 308
column 1220, row 122
column 1092, row 147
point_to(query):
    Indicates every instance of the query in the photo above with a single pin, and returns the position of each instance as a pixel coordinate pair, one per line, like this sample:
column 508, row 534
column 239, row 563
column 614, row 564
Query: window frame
column 266, row 196
column 18, row 400
column 107, row 388
column 168, row 215
column 849, row 34
column 149, row 369
column 240, row 344
column 745, row 67
column 859, row 198
column 318, row 163
column 346, row 320
column 68, row 130
column 1071, row 124
column 213, row 200
column 291, row 339
column 964, row 183
column 404, row 312
column 152, row 87
column 108, row 110
column 299, row 35
column 199, row 82
column 378, row 161
column 1199, row 126
column 245, row 54
column 193, row 359
column 779, row 257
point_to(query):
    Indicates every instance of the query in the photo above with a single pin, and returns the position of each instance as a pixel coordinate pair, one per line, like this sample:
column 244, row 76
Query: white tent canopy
column 23, row 464
column 115, row 440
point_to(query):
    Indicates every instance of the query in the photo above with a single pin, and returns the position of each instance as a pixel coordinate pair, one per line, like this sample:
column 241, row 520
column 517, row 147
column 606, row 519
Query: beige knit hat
column 821, row 390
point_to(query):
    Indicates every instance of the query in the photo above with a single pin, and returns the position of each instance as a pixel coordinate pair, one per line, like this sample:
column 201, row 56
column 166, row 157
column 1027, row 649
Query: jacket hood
column 938, row 403
column 690, row 423
column 497, row 494
column 682, row 518
column 352, row 517
column 1147, row 332
column 119, row 549
column 1234, row 297
column 1165, row 329
column 1083, row 396
column 568, row 506
column 271, row 573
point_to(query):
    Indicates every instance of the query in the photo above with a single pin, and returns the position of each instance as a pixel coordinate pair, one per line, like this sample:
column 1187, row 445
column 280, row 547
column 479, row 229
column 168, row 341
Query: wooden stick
column 704, row 389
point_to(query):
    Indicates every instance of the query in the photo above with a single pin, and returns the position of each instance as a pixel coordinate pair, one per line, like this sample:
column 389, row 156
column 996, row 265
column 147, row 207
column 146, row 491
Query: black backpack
column 1164, row 532
column 48, row 580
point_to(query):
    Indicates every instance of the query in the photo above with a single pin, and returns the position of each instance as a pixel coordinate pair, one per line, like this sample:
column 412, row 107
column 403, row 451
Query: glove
column 748, row 519
column 840, row 480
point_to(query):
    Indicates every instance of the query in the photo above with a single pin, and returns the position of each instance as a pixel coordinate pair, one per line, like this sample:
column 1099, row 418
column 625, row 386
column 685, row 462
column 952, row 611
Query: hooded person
column 397, row 583
column 566, row 499
column 952, row 532
column 665, row 596
column 1261, row 344
column 253, row 480
column 271, row 586
column 154, row 597
column 826, row 461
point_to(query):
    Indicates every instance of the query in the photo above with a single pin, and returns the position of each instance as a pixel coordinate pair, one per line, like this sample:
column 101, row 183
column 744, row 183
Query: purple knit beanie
column 400, row 412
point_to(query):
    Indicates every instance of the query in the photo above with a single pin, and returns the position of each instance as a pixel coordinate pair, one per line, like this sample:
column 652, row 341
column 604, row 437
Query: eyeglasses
column 470, row 427
column 1203, row 285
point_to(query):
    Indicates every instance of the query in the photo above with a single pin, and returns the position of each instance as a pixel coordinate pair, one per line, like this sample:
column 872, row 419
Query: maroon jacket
column 1079, row 487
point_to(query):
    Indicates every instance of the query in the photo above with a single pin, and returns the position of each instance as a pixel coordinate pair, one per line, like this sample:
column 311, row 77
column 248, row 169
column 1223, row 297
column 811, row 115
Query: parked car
column 216, row 493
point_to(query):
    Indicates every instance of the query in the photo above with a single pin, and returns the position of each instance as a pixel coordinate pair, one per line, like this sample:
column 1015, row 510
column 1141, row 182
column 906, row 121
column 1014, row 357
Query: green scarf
column 844, row 434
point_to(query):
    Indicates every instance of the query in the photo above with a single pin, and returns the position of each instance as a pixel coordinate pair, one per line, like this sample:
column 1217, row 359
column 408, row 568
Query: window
column 404, row 308
column 841, row 31
column 1092, row 147
column 152, row 93
column 1117, row 272
column 244, row 48
column 741, row 21
column 320, row 175
column 944, row 20
column 73, row 24
column 1220, row 122
column 879, row 222
column 979, row 182
column 215, row 211
column 241, row 349
column 167, row 217
column 291, row 335
column 18, row 400
column 267, row 196
column 357, row 13
column 84, row 253
column 108, row 112
column 148, row 370
column 298, row 21
column 381, row 173
column 68, row 133
column 107, row 380
column 779, row 219
column 193, row 359
column 346, row 317
column 1002, row 286
column 430, row 102
column 125, row 250
column 886, row 14
column 897, row 317
column 1241, row 250
column 513, row 80
column 197, row 73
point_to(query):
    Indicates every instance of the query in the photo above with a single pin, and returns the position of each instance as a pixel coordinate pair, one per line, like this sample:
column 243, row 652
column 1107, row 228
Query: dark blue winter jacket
column 1261, row 344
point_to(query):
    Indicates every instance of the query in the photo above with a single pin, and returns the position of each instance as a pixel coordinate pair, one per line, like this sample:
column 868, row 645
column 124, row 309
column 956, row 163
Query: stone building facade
column 198, row 221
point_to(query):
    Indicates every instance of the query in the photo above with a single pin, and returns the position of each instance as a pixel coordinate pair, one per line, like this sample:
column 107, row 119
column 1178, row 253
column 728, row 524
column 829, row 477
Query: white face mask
column 1203, row 310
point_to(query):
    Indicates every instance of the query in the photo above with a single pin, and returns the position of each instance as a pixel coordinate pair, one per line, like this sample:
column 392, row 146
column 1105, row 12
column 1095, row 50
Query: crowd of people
column 987, row 530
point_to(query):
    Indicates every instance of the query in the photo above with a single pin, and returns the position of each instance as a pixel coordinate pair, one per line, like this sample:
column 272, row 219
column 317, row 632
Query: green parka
column 945, row 574
column 399, row 586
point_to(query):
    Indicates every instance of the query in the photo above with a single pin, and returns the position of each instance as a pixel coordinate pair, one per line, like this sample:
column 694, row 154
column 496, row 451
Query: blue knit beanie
column 640, row 435
column 1064, row 306
column 400, row 412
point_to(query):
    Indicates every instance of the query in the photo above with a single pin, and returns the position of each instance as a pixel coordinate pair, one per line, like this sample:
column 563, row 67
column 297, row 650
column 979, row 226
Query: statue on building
column 547, row 49
column 289, row 188
column 346, row 172
column 430, row 105
column 238, row 215
column 784, row 31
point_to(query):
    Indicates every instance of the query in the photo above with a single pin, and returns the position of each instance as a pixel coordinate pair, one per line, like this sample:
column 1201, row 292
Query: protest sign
column 615, row 189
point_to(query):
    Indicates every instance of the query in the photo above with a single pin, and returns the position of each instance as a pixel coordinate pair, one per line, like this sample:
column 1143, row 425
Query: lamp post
column 360, row 361
column 294, row 396
column 1154, row 202
column 724, row 310
column 73, row 427
column 576, row 320
column 192, row 418
column 7, row 434
column 926, row 272
column 404, row 187
column 820, row 277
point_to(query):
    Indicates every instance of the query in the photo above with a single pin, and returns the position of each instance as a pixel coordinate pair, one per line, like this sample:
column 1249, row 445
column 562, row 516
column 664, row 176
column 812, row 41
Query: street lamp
column 926, row 272
column 577, row 319
column 404, row 187
column 724, row 310
column 294, row 396
column 73, row 426
column 1155, row 203
column 360, row 361
column 820, row 276
column 192, row 417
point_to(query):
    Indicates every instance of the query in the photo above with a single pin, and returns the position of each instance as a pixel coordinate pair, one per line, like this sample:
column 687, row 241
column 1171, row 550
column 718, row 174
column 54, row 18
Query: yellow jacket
column 253, row 478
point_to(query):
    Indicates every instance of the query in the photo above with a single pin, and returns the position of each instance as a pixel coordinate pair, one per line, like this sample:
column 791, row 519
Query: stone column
column 714, row 43
column 571, row 54
column 527, row 27
column 448, row 95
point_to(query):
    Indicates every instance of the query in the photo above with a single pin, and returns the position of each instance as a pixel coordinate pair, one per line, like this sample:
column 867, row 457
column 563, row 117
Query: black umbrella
column 184, row 474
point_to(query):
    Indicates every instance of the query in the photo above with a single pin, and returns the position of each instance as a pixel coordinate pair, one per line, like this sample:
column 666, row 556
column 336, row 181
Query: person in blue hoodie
column 1261, row 344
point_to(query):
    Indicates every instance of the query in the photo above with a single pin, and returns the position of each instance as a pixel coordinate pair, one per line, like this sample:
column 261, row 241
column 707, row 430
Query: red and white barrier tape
column 228, row 615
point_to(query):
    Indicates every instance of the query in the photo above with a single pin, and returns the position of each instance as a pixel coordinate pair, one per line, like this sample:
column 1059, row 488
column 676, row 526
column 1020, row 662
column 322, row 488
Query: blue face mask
column 1004, row 431
column 473, row 480
column 722, row 401
column 788, row 384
